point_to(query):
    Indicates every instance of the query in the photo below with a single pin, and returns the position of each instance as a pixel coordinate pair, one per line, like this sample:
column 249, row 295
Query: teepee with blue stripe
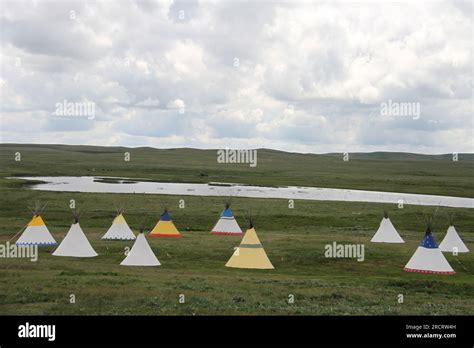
column 428, row 257
column 227, row 223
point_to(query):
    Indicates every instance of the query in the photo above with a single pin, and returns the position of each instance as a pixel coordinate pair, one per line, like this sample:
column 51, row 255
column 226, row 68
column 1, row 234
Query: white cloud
column 310, row 76
column 176, row 104
column 149, row 102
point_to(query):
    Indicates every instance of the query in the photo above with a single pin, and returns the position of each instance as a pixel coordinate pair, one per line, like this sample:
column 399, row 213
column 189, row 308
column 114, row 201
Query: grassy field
column 194, row 264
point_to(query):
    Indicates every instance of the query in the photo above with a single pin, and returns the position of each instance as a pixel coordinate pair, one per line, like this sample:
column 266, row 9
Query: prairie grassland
column 193, row 265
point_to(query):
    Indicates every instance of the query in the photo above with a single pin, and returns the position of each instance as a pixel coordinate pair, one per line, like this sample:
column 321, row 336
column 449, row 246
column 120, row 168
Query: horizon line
column 259, row 148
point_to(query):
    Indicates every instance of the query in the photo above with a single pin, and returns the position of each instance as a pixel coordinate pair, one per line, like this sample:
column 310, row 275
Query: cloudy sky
column 309, row 76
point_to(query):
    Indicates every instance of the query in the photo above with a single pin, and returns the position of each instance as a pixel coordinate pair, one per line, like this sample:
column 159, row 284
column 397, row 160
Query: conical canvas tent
column 141, row 254
column 119, row 229
column 165, row 227
column 227, row 223
column 36, row 233
column 452, row 242
column 250, row 253
column 75, row 243
column 428, row 258
column 386, row 232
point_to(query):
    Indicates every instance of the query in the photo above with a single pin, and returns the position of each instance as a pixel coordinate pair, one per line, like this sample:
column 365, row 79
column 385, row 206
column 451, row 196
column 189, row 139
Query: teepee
column 227, row 223
column 386, row 232
column 452, row 242
column 141, row 253
column 75, row 243
column 36, row 232
column 119, row 229
column 428, row 257
column 165, row 227
column 250, row 253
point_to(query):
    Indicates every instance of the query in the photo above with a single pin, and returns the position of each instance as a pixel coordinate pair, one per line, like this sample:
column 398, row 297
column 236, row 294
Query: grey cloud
column 334, row 63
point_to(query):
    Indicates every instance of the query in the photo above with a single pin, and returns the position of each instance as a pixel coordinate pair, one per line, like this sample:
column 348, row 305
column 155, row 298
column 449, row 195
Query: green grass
column 194, row 264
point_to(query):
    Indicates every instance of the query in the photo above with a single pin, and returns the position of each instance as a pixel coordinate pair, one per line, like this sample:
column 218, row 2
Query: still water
column 126, row 185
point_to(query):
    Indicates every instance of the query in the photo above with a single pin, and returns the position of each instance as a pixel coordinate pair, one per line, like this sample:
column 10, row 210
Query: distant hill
column 384, row 171
column 404, row 156
column 378, row 155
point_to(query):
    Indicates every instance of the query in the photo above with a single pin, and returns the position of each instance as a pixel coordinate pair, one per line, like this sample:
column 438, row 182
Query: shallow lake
column 127, row 185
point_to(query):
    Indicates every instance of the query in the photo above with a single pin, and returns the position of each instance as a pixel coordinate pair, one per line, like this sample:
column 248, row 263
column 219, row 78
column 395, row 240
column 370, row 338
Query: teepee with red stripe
column 428, row 257
column 165, row 227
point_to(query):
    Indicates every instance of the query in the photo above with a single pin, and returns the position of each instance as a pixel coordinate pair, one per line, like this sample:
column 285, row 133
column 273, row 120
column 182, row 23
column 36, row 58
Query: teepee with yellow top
column 165, row 227
column 36, row 232
column 119, row 229
column 250, row 253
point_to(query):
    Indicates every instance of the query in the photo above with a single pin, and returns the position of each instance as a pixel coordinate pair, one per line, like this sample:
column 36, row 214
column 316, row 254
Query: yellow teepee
column 165, row 227
column 250, row 253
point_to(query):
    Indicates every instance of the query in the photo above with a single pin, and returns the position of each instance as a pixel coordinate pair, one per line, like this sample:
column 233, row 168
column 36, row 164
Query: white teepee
column 428, row 258
column 140, row 254
column 452, row 242
column 227, row 223
column 75, row 243
column 119, row 229
column 386, row 232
